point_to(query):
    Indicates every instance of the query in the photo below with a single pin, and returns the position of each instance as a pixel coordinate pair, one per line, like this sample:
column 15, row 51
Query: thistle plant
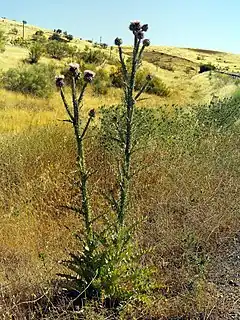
column 108, row 265
column 80, row 129
column 130, row 99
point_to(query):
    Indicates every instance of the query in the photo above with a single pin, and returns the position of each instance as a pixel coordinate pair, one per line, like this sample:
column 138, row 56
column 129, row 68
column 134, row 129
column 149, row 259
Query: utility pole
column 24, row 22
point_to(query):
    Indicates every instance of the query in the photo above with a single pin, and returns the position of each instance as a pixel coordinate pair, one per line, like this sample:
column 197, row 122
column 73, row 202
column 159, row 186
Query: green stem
column 130, row 103
column 83, row 185
column 81, row 94
column 86, row 127
column 66, row 104
column 124, row 68
column 142, row 90
column 81, row 159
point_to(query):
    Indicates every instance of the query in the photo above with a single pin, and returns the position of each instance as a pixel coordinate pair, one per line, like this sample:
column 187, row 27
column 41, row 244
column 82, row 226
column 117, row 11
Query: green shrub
column 36, row 50
column 39, row 36
column 57, row 50
column 92, row 56
column 2, row 41
column 101, row 82
column 39, row 33
column 14, row 31
column 116, row 78
column 220, row 114
column 155, row 86
column 72, row 51
column 20, row 42
column 36, row 80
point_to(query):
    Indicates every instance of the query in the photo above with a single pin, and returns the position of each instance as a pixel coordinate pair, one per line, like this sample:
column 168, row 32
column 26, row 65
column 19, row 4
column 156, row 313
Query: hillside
column 177, row 67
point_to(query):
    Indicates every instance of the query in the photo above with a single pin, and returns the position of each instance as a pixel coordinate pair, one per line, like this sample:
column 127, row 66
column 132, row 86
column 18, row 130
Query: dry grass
column 188, row 193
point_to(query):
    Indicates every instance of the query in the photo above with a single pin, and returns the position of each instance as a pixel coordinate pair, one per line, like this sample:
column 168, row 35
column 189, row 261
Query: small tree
column 55, row 36
column 39, row 33
column 57, row 50
column 36, row 50
column 23, row 25
column 69, row 37
column 2, row 41
column 33, row 79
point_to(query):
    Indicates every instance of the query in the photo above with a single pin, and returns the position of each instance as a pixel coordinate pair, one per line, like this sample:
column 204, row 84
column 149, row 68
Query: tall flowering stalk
column 130, row 98
column 108, row 265
column 80, row 129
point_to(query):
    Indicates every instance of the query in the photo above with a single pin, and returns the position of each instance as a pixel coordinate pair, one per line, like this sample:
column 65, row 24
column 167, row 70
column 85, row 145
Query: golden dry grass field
column 188, row 191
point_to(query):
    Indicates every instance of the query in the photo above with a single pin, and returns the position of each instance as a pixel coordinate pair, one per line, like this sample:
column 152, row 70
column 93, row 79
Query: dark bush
column 36, row 79
column 104, row 45
column 69, row 37
column 206, row 67
column 56, row 37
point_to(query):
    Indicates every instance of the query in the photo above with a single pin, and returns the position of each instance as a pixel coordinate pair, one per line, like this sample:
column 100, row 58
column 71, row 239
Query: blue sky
column 212, row 24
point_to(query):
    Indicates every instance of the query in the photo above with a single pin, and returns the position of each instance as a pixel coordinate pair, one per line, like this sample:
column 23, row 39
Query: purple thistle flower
column 146, row 42
column 74, row 69
column 144, row 27
column 89, row 75
column 59, row 81
column 118, row 41
column 92, row 113
column 149, row 77
column 135, row 26
column 140, row 35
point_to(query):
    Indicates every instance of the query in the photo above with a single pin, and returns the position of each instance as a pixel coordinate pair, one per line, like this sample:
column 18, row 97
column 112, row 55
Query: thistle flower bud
column 144, row 27
column 140, row 35
column 135, row 26
column 92, row 113
column 149, row 77
column 89, row 75
column 74, row 69
column 146, row 42
column 59, row 80
column 118, row 41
